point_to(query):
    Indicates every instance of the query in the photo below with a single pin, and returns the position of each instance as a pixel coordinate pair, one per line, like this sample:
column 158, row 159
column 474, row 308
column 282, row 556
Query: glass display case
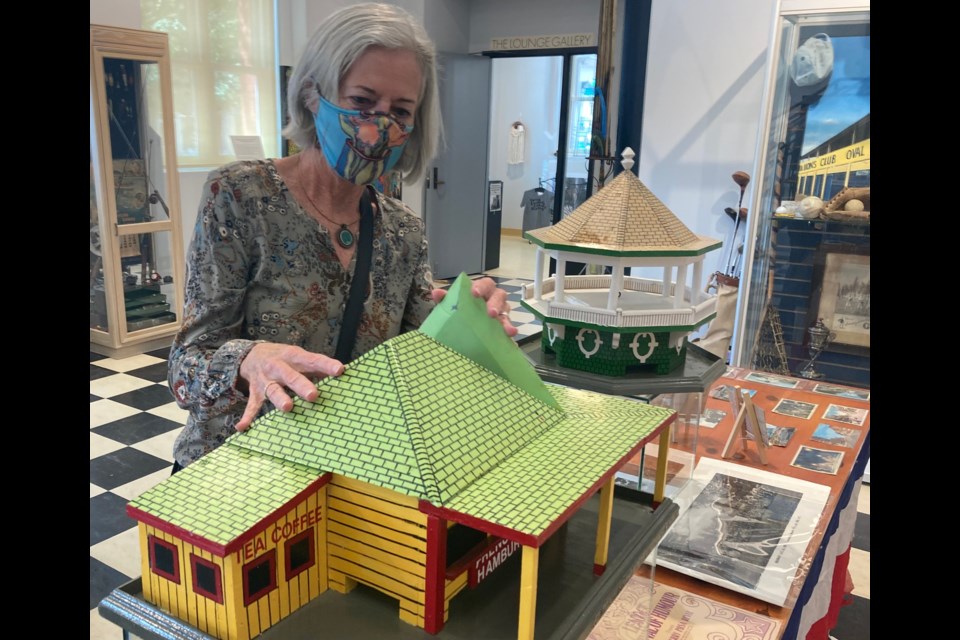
column 804, row 305
column 136, row 246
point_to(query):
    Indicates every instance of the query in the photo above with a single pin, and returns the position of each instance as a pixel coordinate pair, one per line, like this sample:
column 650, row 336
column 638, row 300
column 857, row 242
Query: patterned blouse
column 261, row 269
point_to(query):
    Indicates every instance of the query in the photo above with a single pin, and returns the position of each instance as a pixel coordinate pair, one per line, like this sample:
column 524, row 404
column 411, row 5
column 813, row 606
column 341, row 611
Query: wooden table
column 814, row 598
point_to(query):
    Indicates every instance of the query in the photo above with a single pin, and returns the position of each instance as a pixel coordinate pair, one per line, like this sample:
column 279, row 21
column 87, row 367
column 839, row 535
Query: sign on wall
column 567, row 41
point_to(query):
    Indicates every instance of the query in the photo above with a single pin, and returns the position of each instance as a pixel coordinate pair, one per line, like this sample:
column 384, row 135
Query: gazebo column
column 667, row 274
column 680, row 286
column 616, row 285
column 697, row 280
column 538, row 276
column 558, row 278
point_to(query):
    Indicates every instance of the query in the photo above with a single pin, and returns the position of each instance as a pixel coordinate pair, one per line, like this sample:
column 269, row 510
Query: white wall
column 528, row 90
column 702, row 100
column 705, row 77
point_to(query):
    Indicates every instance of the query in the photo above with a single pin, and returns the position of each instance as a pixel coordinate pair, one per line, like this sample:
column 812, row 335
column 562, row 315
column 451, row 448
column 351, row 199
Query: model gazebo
column 612, row 324
column 365, row 484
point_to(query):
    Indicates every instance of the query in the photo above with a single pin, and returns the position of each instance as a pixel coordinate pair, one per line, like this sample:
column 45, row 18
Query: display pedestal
column 571, row 599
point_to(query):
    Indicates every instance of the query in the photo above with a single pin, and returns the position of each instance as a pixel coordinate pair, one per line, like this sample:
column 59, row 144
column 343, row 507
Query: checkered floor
column 134, row 421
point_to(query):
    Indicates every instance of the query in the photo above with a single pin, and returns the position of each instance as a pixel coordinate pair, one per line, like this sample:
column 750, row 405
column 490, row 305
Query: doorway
column 541, row 117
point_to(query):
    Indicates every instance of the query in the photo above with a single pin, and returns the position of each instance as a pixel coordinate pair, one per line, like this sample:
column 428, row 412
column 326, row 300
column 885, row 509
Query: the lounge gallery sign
column 567, row 41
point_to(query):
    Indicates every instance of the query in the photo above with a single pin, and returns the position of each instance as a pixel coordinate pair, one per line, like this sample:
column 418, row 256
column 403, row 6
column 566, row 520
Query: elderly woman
column 280, row 244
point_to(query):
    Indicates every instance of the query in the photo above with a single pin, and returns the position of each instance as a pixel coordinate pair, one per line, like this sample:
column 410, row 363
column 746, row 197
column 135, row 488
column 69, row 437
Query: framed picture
column 845, row 298
column 496, row 195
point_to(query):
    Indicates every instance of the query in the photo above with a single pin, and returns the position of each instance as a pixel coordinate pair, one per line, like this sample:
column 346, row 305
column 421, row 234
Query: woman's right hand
column 270, row 369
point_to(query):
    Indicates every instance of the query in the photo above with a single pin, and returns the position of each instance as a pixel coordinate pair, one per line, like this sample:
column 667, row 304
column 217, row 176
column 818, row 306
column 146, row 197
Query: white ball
column 853, row 205
column 810, row 207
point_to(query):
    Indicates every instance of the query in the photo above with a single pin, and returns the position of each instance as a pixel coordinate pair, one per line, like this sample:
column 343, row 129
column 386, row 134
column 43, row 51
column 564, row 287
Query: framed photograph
column 742, row 528
column 769, row 378
column 795, row 408
column 819, row 460
column 779, row 436
column 710, row 418
column 496, row 195
column 723, row 392
column 850, row 415
column 839, row 436
column 841, row 392
column 845, row 298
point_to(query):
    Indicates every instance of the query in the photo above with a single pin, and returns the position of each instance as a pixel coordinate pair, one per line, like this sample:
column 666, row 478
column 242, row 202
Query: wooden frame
column 845, row 298
column 748, row 425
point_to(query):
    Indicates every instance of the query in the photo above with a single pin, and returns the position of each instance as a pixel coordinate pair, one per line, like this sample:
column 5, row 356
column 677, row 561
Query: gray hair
column 335, row 45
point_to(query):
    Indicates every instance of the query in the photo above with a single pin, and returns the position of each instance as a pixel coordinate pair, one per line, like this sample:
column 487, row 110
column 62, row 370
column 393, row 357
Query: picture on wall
column 743, row 529
column 845, row 299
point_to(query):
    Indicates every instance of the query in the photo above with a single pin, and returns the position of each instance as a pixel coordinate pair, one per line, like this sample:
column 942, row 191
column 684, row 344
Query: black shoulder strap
column 358, row 287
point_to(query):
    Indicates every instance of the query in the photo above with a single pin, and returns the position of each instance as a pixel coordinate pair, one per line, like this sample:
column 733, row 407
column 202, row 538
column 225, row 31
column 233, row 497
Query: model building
column 611, row 323
column 364, row 485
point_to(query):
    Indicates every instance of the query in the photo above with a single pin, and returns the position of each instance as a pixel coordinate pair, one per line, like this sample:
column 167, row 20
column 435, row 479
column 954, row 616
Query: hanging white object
column 517, row 134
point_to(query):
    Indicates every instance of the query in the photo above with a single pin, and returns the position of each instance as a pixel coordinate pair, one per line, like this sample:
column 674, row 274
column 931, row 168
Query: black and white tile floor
column 134, row 421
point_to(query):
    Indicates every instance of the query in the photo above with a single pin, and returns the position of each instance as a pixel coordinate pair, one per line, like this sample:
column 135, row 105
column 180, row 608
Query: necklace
column 345, row 237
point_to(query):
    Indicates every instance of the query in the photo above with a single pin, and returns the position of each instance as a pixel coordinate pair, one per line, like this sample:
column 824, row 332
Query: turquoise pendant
column 345, row 237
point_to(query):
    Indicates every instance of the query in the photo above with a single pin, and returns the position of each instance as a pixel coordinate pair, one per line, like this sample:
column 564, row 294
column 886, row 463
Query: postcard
column 710, row 418
column 673, row 613
column 723, row 392
column 743, row 529
column 777, row 381
column 795, row 408
column 820, row 460
column 840, row 436
column 780, row 436
column 841, row 392
column 850, row 415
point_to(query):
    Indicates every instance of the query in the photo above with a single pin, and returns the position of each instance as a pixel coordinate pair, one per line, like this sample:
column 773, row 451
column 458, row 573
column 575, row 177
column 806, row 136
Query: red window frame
column 217, row 595
column 154, row 541
column 291, row 573
column 269, row 557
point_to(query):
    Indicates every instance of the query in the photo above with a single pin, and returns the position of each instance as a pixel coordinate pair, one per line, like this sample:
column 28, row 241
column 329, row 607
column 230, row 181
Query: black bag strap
column 351, row 315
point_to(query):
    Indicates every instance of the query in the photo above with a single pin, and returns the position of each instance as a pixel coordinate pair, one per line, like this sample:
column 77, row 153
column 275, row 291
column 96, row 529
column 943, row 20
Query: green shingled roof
column 416, row 416
column 411, row 415
column 225, row 493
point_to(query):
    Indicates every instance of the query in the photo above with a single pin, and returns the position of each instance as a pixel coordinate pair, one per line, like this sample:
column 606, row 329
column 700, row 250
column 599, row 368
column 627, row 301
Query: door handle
column 437, row 181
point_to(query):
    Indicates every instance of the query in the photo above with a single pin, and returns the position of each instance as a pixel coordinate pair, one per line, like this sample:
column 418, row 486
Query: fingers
column 274, row 371
column 496, row 298
column 438, row 295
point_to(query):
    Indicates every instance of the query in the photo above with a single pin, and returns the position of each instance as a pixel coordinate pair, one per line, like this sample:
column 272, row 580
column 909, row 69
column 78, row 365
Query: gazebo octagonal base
column 611, row 353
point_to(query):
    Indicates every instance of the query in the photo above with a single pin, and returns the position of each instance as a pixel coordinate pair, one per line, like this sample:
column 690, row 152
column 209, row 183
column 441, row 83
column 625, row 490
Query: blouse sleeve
column 419, row 300
column 204, row 364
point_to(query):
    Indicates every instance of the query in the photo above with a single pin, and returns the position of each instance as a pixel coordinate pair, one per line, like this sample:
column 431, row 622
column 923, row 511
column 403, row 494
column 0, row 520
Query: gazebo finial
column 628, row 156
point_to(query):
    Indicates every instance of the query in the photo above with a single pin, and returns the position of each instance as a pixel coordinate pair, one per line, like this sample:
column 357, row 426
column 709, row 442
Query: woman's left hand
column 497, row 305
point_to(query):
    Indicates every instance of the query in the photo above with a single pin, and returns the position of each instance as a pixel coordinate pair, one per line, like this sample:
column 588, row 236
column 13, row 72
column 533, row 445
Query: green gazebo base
column 593, row 351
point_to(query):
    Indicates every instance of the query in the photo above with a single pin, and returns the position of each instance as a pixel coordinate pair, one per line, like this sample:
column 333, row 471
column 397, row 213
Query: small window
column 833, row 185
column 164, row 559
column 300, row 553
column 260, row 577
column 206, row 579
column 818, row 186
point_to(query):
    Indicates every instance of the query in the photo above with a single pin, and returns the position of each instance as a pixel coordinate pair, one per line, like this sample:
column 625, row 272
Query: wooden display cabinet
column 136, row 247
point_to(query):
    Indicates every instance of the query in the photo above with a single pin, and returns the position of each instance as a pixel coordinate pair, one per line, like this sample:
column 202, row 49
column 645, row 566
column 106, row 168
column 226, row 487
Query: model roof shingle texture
column 623, row 218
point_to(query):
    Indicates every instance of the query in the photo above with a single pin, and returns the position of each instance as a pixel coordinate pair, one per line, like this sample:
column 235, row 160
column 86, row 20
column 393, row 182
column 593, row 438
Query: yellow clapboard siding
column 455, row 586
column 385, row 532
column 402, row 512
column 272, row 601
column 237, row 627
column 317, row 578
column 378, row 492
column 146, row 582
column 417, row 554
column 411, row 618
column 381, row 555
column 415, row 580
column 381, row 582
column 372, row 515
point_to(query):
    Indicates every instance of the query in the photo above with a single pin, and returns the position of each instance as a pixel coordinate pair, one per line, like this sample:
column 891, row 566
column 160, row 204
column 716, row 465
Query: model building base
column 618, row 353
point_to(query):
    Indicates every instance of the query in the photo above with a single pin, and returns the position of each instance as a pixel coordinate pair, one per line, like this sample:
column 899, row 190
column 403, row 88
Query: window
column 260, row 577
column 164, row 559
column 224, row 68
column 300, row 553
column 206, row 579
